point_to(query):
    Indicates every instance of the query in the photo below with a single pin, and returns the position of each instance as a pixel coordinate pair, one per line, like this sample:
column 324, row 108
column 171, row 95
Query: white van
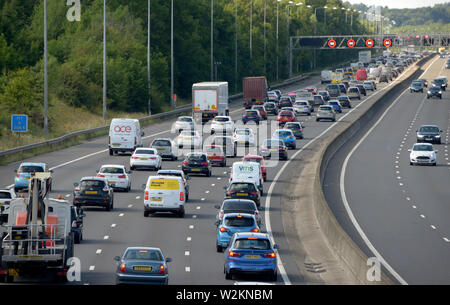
column 164, row 194
column 124, row 135
column 247, row 171
column 325, row 76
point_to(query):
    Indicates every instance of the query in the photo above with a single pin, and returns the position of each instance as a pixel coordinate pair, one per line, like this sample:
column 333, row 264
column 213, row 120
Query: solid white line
column 189, row 238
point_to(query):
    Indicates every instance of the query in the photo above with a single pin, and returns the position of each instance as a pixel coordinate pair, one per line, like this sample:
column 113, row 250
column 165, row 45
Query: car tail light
column 134, row 157
column 204, row 163
column 101, row 176
column 153, row 158
column 7, row 202
column 162, row 270
column 185, row 163
column 221, row 213
column 146, row 195
column 223, row 230
column 270, row 255
column 122, row 177
column 233, row 254
column 77, row 189
column 123, row 268
column 256, row 230
column 74, row 224
column 181, row 196
column 18, row 174
column 282, row 148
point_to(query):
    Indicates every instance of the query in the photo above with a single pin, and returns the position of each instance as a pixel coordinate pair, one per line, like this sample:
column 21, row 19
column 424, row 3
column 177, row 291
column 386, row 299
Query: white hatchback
column 222, row 124
column 422, row 153
column 190, row 138
column 6, row 196
column 145, row 158
column 183, row 123
column 244, row 136
column 326, row 112
column 116, row 175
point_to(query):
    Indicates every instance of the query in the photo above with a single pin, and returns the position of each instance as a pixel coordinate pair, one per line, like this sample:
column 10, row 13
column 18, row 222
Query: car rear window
column 239, row 205
column 292, row 126
column 221, row 119
column 144, row 152
column 239, row 221
column 251, row 113
column 111, row 170
column 353, row 90
column 429, row 129
column 269, row 106
column 184, row 119
column 273, row 143
column 96, row 184
column 197, row 157
column 161, row 143
column 147, row 255
column 252, row 243
column 31, row 169
column 243, row 187
column 5, row 195
column 286, row 113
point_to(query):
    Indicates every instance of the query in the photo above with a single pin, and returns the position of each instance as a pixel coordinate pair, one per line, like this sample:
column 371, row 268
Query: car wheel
column 146, row 213
column 208, row 174
column 273, row 277
column 111, row 152
column 228, row 275
column 224, row 164
column 317, row 120
column 219, row 248
column 410, row 163
column 76, row 239
column 181, row 214
column 132, row 168
column 434, row 164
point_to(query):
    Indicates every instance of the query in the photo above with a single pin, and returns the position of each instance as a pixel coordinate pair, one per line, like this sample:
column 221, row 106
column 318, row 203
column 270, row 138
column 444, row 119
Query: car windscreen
column 429, row 129
column 334, row 103
column 95, row 184
column 111, row 170
column 31, row 169
column 417, row 84
column 420, row 147
column 438, row 81
column 325, row 108
column 239, row 206
column 221, row 119
column 242, row 187
column 146, row 255
column 434, row 88
column 144, row 152
column 252, row 243
column 239, row 221
column 318, row 98
column 5, row 195
column 353, row 90
column 161, row 143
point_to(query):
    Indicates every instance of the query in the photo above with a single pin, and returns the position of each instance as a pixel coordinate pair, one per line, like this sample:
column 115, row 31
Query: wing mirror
column 143, row 186
column 117, row 258
column 168, row 260
column 76, row 184
column 217, row 207
column 275, row 246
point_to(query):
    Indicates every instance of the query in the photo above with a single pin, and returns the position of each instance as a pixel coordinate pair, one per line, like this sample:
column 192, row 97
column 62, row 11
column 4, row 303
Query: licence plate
column 252, row 256
column 273, row 149
column 91, row 192
column 242, row 141
column 28, row 178
column 195, row 169
column 116, row 145
column 241, row 194
column 142, row 268
column 13, row 272
column 112, row 182
column 157, row 199
column 205, row 114
column 144, row 158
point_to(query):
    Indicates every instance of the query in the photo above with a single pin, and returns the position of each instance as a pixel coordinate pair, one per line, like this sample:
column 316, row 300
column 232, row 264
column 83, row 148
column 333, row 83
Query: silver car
column 183, row 123
column 353, row 92
column 302, row 107
column 326, row 112
column 142, row 265
column 166, row 148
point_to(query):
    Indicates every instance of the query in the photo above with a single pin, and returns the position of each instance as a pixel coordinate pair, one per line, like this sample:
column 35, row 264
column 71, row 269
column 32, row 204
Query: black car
column 93, row 191
column 243, row 190
column 416, row 86
column 439, row 82
column 361, row 88
column 76, row 217
column 434, row 91
column 384, row 78
column 429, row 133
column 197, row 163
column 238, row 206
column 344, row 101
column 270, row 108
column 285, row 101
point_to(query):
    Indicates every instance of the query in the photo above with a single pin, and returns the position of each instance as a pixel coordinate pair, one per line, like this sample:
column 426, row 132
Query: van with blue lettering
column 247, row 171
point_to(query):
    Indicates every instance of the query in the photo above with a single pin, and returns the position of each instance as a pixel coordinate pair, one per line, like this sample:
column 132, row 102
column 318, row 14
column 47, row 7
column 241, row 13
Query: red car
column 285, row 116
column 293, row 96
column 257, row 159
column 312, row 90
column 215, row 155
column 262, row 111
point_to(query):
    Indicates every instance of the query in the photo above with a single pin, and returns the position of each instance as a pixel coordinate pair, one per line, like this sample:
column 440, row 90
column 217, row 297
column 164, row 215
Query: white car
column 222, row 124
column 289, row 109
column 303, row 107
column 145, row 158
column 190, row 138
column 368, row 85
column 183, row 123
column 326, row 112
column 6, row 196
column 244, row 136
column 422, row 153
column 116, row 175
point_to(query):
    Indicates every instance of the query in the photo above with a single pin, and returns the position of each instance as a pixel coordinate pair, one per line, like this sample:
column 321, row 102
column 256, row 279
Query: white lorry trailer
column 209, row 99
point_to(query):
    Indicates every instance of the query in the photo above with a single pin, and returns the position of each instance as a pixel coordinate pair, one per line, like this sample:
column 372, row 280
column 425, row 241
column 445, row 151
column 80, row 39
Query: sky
column 399, row 3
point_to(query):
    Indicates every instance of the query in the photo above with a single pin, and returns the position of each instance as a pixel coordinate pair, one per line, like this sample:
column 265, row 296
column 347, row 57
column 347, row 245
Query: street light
column 104, row 60
column 45, row 72
column 212, row 38
column 278, row 1
column 148, row 59
column 171, row 55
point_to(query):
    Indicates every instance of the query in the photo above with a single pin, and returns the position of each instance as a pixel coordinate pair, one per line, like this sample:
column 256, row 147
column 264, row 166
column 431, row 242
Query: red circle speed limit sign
column 351, row 43
column 332, row 43
column 387, row 42
column 370, row 43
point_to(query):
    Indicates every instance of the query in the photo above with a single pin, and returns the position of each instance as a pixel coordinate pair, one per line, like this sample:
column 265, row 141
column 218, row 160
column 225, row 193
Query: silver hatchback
column 326, row 112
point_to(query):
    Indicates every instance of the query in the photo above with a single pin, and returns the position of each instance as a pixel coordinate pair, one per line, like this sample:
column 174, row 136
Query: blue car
column 232, row 223
column 287, row 136
column 23, row 175
column 343, row 88
column 251, row 115
column 251, row 253
column 336, row 105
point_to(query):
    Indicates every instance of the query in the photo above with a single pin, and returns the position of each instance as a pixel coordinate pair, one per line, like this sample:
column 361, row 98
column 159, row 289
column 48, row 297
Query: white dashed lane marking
column 99, row 251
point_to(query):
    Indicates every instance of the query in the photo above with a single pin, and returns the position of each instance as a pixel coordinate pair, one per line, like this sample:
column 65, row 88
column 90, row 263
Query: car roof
column 239, row 200
column 93, row 178
column 170, row 171
column 167, row 139
column 428, row 126
column 428, row 144
column 235, row 181
column 143, row 248
column 113, row 165
column 252, row 234
column 165, row 177
column 32, row 164
column 253, row 157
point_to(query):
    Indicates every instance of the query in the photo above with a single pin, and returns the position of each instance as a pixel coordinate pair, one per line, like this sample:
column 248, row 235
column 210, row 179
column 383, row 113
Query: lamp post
column 212, row 38
column 235, row 48
column 265, row 8
column 148, row 59
column 278, row 1
column 171, row 56
column 45, row 72
column 251, row 24
column 104, row 60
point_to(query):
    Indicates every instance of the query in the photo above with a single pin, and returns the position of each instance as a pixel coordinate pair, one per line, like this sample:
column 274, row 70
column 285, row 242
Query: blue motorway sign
column 19, row 123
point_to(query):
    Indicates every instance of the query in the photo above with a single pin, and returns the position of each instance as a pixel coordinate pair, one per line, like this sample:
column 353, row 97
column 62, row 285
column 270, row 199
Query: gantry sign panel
column 369, row 41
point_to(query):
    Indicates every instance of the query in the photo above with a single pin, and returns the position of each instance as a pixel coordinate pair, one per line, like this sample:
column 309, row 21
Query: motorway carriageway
column 189, row 241
column 401, row 211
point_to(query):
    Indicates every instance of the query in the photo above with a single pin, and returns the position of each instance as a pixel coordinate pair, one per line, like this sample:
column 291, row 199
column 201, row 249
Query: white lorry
column 365, row 57
column 209, row 99
column 325, row 76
